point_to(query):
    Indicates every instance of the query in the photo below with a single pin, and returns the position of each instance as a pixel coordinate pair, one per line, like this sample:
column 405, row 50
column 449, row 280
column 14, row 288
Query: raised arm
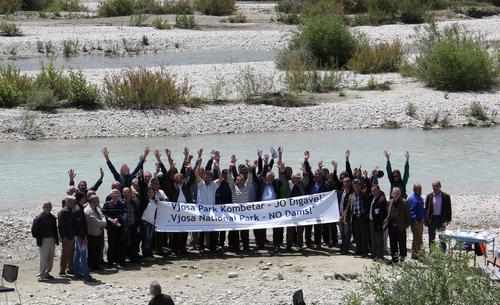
column 142, row 159
column 98, row 183
column 406, row 174
column 388, row 167
column 116, row 175
column 162, row 166
column 171, row 163
column 72, row 175
column 348, row 164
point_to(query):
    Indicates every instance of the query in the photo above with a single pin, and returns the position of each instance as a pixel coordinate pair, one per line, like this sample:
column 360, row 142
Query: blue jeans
column 345, row 233
column 80, row 265
column 148, row 231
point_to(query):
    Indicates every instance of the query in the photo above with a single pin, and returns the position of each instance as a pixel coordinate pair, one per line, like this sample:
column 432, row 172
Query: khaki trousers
column 67, row 250
column 417, row 229
column 47, row 251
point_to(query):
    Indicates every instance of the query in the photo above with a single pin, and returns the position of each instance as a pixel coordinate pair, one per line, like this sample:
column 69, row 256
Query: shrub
column 291, row 55
column 81, row 93
column 250, row 85
column 455, row 61
column 142, row 89
column 10, row 6
column 10, row 29
column 166, row 7
column 65, row 6
column 52, row 78
column 185, row 22
column 70, row 47
column 411, row 110
column 412, row 11
column 382, row 11
column 35, row 5
column 138, row 19
column 377, row 58
column 437, row 278
column 329, row 40
column 13, row 86
column 215, row 7
column 160, row 24
column 478, row 112
column 41, row 99
column 238, row 18
column 110, row 8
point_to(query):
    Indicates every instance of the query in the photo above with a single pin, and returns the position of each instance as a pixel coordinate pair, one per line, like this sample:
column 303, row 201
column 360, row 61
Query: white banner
column 297, row 211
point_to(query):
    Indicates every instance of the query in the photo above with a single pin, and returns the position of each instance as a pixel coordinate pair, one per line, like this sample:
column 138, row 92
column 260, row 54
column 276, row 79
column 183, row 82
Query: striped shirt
column 240, row 194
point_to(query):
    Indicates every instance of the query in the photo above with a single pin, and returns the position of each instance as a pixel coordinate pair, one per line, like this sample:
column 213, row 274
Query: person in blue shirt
column 417, row 212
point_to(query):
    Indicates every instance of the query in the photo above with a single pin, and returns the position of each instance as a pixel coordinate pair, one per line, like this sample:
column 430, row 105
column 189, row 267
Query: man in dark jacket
column 158, row 297
column 66, row 234
column 115, row 214
column 268, row 188
column 79, row 222
column 438, row 207
column 376, row 215
column 44, row 229
column 345, row 227
column 357, row 214
column 177, row 189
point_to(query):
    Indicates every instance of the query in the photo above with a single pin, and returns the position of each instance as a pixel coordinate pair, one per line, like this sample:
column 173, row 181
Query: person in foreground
column 158, row 297
column 44, row 229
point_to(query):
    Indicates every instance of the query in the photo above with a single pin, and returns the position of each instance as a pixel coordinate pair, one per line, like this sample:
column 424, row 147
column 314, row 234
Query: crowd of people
column 368, row 217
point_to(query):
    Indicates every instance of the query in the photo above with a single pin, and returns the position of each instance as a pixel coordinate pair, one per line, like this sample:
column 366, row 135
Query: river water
column 465, row 159
column 188, row 57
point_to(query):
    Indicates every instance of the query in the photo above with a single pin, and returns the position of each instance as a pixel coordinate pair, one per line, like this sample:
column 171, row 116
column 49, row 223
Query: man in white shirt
column 206, row 195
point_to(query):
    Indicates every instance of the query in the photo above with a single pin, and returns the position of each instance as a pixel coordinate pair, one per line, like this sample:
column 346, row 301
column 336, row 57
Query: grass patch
column 110, row 8
column 185, row 22
column 144, row 89
column 138, row 20
column 42, row 99
column 377, row 58
column 70, row 47
column 215, row 7
column 161, row 24
column 391, row 124
column 373, row 85
column 10, row 30
column 455, row 60
column 250, row 85
column 411, row 110
column 478, row 112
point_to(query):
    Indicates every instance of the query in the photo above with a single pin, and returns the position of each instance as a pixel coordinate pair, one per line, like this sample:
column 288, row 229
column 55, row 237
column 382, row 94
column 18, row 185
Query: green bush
column 437, row 278
column 81, row 93
column 455, row 60
column 52, row 78
column 329, row 40
column 10, row 6
column 10, row 29
column 185, row 22
column 143, row 89
column 215, row 7
column 110, row 8
column 13, row 86
column 377, row 58
column 41, row 99
column 166, row 7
